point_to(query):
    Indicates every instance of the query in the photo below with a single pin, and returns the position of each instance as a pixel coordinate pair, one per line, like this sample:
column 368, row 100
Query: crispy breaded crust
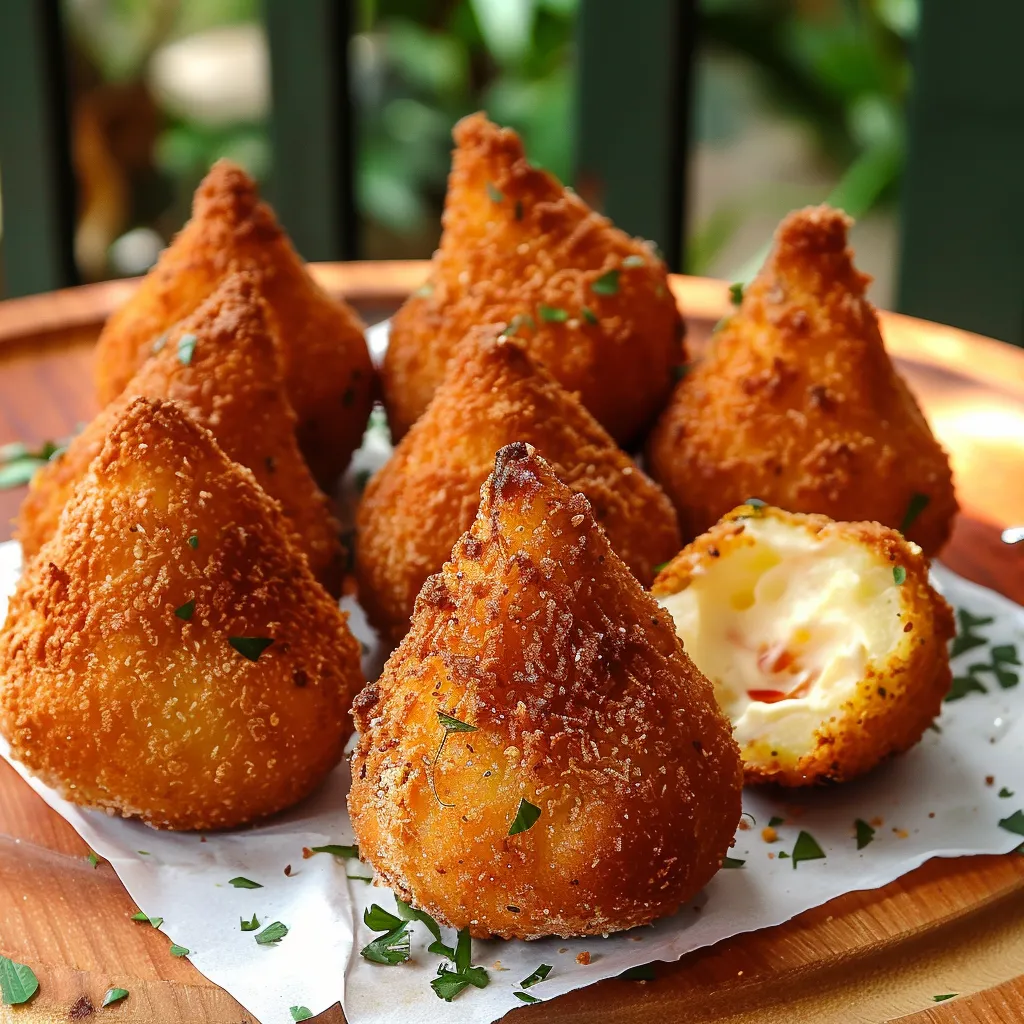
column 416, row 508
column 515, row 241
column 231, row 382
column 120, row 697
column 583, row 703
column 327, row 365
column 895, row 702
column 797, row 402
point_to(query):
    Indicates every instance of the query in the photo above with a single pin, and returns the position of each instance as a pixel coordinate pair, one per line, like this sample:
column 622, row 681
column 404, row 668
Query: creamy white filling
column 786, row 628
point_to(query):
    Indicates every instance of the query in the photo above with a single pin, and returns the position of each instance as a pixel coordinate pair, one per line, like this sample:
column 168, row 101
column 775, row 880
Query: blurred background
column 793, row 99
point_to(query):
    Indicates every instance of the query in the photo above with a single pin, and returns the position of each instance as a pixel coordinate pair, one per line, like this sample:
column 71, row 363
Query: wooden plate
column 950, row 926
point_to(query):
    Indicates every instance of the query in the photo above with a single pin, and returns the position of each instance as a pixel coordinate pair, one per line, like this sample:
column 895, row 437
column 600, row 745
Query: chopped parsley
column 525, row 997
column 945, row 996
column 18, row 983
column 732, row 862
column 114, row 995
column 1002, row 657
column 642, row 972
column 448, row 984
column 494, row 193
column 193, row 541
column 552, row 314
column 865, row 833
column 450, row 725
column 390, row 949
column 680, row 370
column 300, row 1013
column 634, row 261
column 899, row 575
column 606, row 284
column 18, row 462
column 154, row 921
column 806, row 848
column 775, row 821
column 249, row 926
column 179, row 951
column 538, row 975
column 966, row 638
column 250, row 647
column 93, row 859
column 360, row 878
column 963, row 685
column 1014, row 823
column 1004, row 793
column 736, row 293
column 186, row 610
column 186, row 347
column 917, row 504
column 519, row 320
column 525, row 818
column 239, row 882
column 345, row 852
column 589, row 315
column 408, row 913
column 272, row 934
column 377, row 919
column 158, row 343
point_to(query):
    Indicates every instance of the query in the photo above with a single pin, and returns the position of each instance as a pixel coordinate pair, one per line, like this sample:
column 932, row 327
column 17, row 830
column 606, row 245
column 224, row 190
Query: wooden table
column 950, row 926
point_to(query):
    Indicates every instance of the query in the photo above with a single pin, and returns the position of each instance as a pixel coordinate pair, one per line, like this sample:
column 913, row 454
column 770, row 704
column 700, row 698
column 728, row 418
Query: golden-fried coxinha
column 426, row 496
column 590, row 302
column 797, row 403
column 169, row 656
column 223, row 365
column 327, row 365
column 825, row 642
column 540, row 756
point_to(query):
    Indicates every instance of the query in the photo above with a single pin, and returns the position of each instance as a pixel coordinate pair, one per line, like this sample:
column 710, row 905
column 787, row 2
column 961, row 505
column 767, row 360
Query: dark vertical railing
column 311, row 125
column 36, row 181
column 633, row 114
column 962, row 245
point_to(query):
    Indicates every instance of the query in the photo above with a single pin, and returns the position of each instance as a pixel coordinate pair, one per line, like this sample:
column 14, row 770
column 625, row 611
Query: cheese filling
column 785, row 628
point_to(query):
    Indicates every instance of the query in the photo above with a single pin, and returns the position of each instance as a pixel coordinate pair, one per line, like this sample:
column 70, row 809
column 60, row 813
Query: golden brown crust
column 110, row 696
column 416, row 508
column 797, row 402
column 895, row 702
column 327, row 366
column 232, row 383
column 514, row 240
column 583, row 703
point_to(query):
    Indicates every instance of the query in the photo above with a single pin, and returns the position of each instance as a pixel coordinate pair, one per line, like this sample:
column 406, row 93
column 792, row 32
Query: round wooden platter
column 950, row 926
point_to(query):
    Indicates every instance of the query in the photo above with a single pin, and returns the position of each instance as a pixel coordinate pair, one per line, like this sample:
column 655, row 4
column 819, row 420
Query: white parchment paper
column 934, row 801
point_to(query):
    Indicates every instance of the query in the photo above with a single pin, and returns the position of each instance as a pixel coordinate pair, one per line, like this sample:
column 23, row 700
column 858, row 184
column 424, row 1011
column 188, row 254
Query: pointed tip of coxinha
column 174, row 639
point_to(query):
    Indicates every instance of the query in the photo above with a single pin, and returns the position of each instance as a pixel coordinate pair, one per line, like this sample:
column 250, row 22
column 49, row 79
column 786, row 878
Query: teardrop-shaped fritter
column 797, row 403
column 223, row 366
column 327, row 366
column 540, row 756
column 590, row 302
column 168, row 655
column 426, row 496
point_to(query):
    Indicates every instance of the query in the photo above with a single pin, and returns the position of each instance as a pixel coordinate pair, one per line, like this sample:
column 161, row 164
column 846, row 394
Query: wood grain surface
column 950, row 926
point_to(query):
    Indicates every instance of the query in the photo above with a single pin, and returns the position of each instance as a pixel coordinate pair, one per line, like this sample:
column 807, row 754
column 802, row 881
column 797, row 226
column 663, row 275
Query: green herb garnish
column 899, row 575
column 158, row 343
column 93, row 859
column 449, row 725
column 606, row 284
column 272, row 934
column 589, row 315
column 552, row 314
column 250, row 647
column 19, row 463
column 300, row 1013
column 345, row 852
column 865, row 833
column 408, row 913
column 186, row 610
column 177, row 950
column 525, row 818
column 806, row 848
column 1004, row 792
column 634, row 261
column 377, row 919
column 966, row 638
column 186, row 347
column 1014, row 823
column 680, row 370
column 360, row 878
column 390, row 949
column 494, row 193
column 945, row 996
column 775, row 821
column 448, row 984
column 244, row 883
column 193, row 541
column 154, row 921
column 249, row 926
column 525, row 997
column 736, row 293
column 114, row 995
column 519, row 320
column 642, row 972
column 18, row 983
column 732, row 862
column 917, row 504
column 538, row 975
column 963, row 685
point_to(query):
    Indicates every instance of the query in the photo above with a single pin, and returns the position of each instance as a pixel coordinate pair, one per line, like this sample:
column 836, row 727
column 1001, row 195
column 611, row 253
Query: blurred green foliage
column 838, row 66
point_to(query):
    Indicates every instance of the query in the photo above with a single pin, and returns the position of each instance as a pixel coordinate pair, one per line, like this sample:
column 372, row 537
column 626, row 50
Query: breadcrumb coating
column 132, row 678
column 590, row 302
column 582, row 703
column 853, row 664
column 327, row 366
column 227, row 375
column 416, row 508
column 798, row 403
